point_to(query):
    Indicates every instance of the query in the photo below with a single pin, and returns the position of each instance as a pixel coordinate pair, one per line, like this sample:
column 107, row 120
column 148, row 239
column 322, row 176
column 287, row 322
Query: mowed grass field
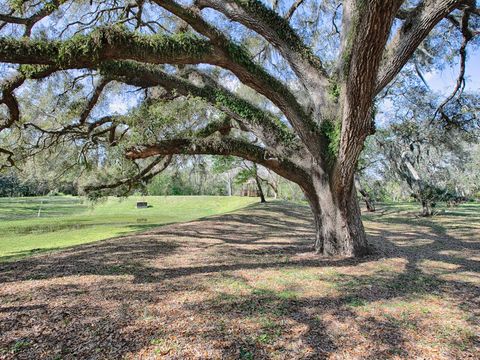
column 33, row 225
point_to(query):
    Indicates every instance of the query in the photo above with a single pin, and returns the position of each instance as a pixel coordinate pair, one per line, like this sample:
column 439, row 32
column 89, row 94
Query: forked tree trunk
column 338, row 225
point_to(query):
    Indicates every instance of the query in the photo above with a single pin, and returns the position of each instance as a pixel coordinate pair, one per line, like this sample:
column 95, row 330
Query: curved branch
column 10, row 160
column 420, row 21
column 8, row 86
column 277, row 31
column 270, row 129
column 143, row 175
column 293, row 8
column 14, row 112
column 467, row 35
column 238, row 60
column 222, row 146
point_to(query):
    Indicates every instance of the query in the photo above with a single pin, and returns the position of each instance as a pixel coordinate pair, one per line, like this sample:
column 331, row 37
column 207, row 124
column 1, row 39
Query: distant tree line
column 13, row 184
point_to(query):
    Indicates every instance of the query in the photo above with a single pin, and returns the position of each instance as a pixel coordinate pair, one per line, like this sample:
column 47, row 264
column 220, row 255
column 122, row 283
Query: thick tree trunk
column 338, row 225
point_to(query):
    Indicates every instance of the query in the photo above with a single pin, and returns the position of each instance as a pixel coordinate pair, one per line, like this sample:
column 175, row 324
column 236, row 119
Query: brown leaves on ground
column 247, row 286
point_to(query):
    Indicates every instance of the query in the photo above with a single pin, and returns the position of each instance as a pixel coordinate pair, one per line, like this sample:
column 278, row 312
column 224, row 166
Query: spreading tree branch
column 238, row 60
column 270, row 129
column 221, row 146
column 416, row 27
column 277, row 31
column 158, row 165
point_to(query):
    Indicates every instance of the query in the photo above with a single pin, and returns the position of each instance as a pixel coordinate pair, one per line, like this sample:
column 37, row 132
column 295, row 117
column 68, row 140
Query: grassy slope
column 68, row 221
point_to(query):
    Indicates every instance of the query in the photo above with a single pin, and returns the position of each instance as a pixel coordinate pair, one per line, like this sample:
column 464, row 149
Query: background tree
column 315, row 92
column 228, row 167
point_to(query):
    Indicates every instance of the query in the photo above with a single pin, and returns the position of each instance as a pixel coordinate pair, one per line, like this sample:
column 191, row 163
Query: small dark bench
column 142, row 205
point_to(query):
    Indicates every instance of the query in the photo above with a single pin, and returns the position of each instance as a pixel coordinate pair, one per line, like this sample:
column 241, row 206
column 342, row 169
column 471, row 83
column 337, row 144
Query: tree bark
column 427, row 208
column 338, row 225
column 365, row 196
column 260, row 190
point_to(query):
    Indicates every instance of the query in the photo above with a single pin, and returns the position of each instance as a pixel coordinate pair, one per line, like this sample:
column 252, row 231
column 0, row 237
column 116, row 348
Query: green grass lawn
column 68, row 221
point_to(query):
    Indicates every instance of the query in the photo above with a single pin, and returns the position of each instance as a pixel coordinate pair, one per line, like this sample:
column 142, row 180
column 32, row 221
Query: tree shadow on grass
column 155, row 292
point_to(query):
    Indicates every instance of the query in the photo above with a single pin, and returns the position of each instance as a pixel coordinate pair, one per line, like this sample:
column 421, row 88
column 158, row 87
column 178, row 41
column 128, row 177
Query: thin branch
column 292, row 9
column 93, row 100
column 144, row 175
column 467, row 35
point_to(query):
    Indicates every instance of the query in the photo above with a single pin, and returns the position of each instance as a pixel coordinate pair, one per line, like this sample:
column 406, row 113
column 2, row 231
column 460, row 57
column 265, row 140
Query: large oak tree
column 314, row 125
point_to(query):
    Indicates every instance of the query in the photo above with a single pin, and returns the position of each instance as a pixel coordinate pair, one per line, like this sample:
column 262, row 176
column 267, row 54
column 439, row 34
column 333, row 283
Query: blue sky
column 444, row 81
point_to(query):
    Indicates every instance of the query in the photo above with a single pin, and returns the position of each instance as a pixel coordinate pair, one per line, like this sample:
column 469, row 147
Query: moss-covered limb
column 222, row 146
column 409, row 36
column 308, row 67
column 238, row 60
column 265, row 125
column 116, row 43
column 8, row 86
column 276, row 29
column 108, row 43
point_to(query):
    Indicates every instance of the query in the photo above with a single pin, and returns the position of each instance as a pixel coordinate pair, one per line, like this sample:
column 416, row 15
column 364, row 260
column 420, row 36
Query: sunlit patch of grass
column 462, row 276
column 30, row 226
column 447, row 271
column 227, row 283
column 457, row 335
column 298, row 274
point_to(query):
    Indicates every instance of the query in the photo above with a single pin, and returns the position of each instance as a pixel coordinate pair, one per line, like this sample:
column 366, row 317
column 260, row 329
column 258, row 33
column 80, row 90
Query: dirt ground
column 246, row 285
